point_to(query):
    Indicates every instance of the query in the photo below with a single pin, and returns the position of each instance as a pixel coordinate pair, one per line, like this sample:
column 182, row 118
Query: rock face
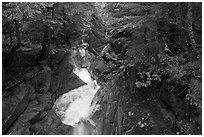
column 124, row 108
column 63, row 79
column 127, row 110
column 42, row 85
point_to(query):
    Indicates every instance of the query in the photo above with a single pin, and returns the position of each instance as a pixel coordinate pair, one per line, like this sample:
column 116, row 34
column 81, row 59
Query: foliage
column 65, row 23
column 31, row 30
column 156, row 34
column 160, row 41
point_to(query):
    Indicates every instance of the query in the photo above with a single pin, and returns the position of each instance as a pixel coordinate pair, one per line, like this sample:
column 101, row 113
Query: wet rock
column 66, row 82
column 34, row 106
column 55, row 123
column 52, row 119
column 51, row 124
column 44, row 99
column 39, row 116
column 55, row 83
column 45, row 125
column 137, row 115
column 60, row 57
column 61, row 62
column 64, row 130
column 53, row 98
column 9, row 103
column 38, row 128
column 84, row 127
column 19, row 128
column 36, row 109
column 19, row 109
column 63, row 79
column 41, row 83
column 107, row 127
column 8, row 106
column 27, row 116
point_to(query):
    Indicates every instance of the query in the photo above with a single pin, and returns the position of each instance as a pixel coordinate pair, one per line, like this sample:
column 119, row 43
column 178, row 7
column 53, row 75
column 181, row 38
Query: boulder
column 62, row 84
column 63, row 79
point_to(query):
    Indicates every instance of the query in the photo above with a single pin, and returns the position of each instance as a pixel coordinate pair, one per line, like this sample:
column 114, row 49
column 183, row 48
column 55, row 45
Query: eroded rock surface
column 127, row 110
column 41, row 87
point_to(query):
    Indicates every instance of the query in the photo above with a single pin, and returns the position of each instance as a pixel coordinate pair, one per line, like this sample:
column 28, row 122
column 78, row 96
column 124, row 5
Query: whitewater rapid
column 74, row 108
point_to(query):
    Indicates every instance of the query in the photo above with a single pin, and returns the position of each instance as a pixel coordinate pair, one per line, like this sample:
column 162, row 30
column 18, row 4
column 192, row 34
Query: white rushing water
column 74, row 108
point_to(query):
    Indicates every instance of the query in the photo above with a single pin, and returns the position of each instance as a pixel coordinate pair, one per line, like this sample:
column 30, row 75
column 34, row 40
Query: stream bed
column 75, row 107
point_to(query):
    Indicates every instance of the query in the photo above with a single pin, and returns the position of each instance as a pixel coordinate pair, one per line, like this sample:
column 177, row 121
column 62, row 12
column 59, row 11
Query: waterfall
column 74, row 108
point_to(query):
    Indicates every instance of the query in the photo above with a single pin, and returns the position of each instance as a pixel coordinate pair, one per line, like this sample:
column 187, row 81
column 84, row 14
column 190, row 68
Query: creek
column 75, row 107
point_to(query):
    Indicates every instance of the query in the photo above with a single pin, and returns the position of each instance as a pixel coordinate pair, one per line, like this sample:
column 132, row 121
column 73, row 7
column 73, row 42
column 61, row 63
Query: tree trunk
column 190, row 24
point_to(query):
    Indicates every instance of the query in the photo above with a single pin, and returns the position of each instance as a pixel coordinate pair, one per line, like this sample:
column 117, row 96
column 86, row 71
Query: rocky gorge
column 102, row 68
